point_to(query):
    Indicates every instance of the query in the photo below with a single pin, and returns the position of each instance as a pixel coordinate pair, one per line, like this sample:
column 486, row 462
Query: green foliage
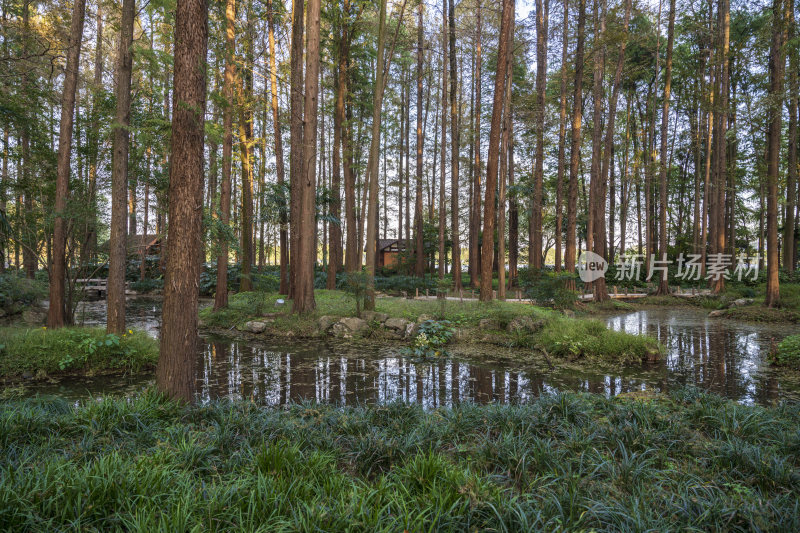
column 562, row 462
column 18, row 292
column 91, row 349
column 356, row 288
column 432, row 337
column 573, row 339
column 549, row 288
column 788, row 352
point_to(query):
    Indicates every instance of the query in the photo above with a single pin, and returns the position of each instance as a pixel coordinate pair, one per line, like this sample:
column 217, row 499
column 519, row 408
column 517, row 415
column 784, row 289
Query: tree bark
column 487, row 250
column 117, row 256
column 475, row 206
column 246, row 152
column 663, row 284
column 419, row 252
column 535, row 248
column 442, row 210
column 575, row 145
column 295, row 140
column 221, row 295
column 279, row 165
column 562, row 134
column 789, row 244
column 504, row 151
column 304, row 282
column 455, row 146
column 175, row 374
column 595, row 234
column 777, row 62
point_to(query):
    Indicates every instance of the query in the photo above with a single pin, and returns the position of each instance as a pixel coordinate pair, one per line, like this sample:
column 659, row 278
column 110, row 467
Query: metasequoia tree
column 777, row 62
column 487, row 250
column 295, row 140
column 663, row 284
column 221, row 296
column 575, row 145
column 58, row 272
column 475, row 207
column 419, row 244
column 117, row 254
column 562, row 134
column 535, row 232
column 175, row 373
column 455, row 146
column 303, row 298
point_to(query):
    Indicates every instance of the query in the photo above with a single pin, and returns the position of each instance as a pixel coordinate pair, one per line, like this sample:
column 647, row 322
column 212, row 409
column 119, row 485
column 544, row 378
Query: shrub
column 549, row 288
column 788, row 352
column 17, row 292
column 52, row 351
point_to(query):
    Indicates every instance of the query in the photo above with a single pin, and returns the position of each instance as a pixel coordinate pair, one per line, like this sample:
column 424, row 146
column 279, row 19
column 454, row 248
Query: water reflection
column 723, row 356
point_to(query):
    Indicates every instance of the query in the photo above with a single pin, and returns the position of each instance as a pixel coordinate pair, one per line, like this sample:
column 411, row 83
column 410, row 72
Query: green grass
column 787, row 352
column 560, row 336
column 688, row 461
column 41, row 351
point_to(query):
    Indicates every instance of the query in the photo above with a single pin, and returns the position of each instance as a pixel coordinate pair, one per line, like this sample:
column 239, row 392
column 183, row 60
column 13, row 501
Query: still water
column 723, row 356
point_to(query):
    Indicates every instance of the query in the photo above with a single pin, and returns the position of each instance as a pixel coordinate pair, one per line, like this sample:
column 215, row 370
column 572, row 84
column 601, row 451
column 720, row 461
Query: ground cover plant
column 477, row 322
column 41, row 351
column 687, row 461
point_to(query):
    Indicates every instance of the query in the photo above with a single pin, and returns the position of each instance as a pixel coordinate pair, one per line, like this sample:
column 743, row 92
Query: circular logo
column 591, row 266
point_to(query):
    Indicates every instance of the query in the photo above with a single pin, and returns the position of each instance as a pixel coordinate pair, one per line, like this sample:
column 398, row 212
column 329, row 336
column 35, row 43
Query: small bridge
column 95, row 286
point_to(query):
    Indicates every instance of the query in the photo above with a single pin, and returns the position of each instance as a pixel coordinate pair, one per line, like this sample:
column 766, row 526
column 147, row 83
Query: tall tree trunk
column 777, row 62
column 295, row 140
column 663, row 284
column 419, row 237
column 475, row 205
column 575, row 145
column 246, row 152
column 372, row 164
column 562, row 134
column 442, row 210
column 93, row 139
column 221, row 296
column 595, row 234
column 117, row 256
column 608, row 148
column 535, row 248
column 304, row 278
column 335, row 235
column 721, row 118
column 175, row 374
column 58, row 272
column 789, row 244
column 504, row 150
column 455, row 146
column 279, row 166
column 487, row 250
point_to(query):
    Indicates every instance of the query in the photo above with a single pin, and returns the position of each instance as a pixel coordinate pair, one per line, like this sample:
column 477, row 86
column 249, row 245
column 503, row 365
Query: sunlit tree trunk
column 442, row 210
column 221, row 296
column 455, row 146
column 562, row 134
column 789, row 244
column 279, row 165
column 295, row 140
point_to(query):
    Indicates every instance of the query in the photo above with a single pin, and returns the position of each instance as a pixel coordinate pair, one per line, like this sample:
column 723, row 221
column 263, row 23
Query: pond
column 723, row 356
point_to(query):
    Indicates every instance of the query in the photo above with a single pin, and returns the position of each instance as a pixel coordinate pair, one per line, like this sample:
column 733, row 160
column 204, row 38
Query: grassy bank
column 40, row 352
column 566, row 461
column 477, row 323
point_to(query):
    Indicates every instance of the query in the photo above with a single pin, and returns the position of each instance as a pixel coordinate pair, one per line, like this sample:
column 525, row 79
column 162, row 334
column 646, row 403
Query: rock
column 324, row 323
column 717, row 313
column 569, row 313
column 347, row 327
column 27, row 375
column 488, row 323
column 741, row 302
column 411, row 330
column 526, row 324
column 374, row 316
column 399, row 327
column 34, row 316
column 255, row 326
column 423, row 318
